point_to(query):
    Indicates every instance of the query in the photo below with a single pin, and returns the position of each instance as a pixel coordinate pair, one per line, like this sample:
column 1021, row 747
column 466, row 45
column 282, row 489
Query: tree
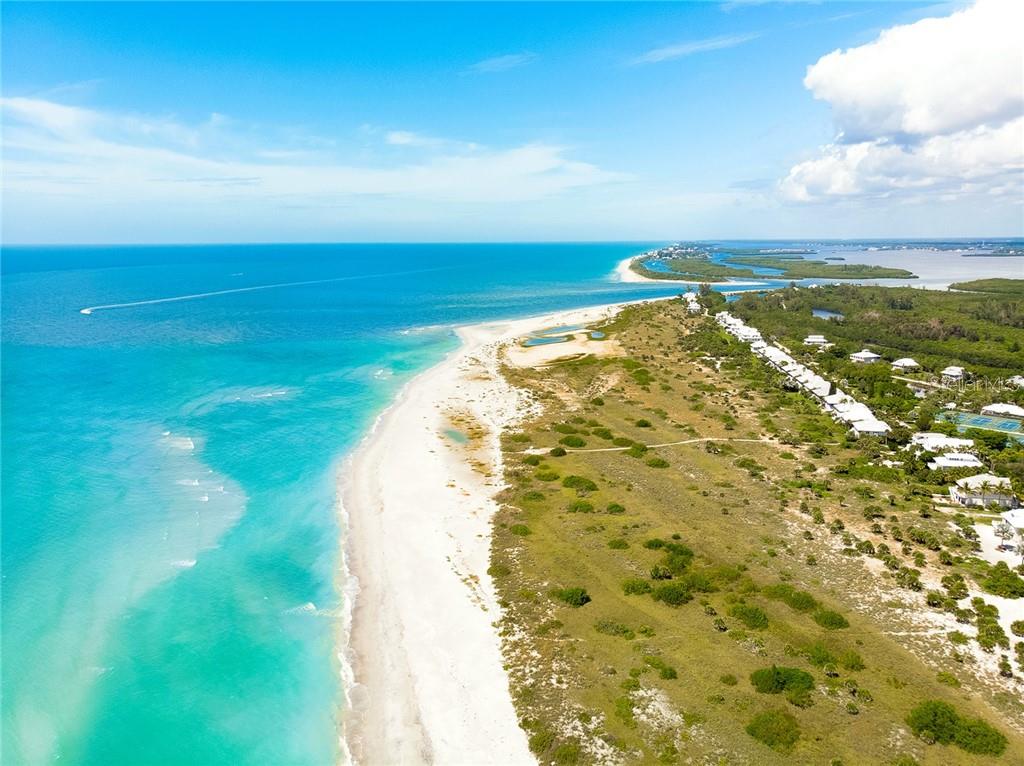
column 1004, row 532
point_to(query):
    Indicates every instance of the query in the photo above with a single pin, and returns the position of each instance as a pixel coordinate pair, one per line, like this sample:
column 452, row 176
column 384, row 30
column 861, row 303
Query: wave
column 253, row 288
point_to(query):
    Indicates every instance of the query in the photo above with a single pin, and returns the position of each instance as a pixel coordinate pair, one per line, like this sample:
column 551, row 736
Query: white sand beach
column 429, row 682
column 624, row 273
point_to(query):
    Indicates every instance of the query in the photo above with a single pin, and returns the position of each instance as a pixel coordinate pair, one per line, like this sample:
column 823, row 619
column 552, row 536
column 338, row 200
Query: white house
column 1016, row 380
column 905, row 364
column 933, row 442
column 864, row 357
column 982, row 490
column 952, row 374
column 1000, row 408
column 1014, row 518
column 870, row 427
column 815, row 340
column 955, row 460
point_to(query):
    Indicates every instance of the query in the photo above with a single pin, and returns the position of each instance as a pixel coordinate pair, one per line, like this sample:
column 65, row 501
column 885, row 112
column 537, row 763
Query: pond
column 826, row 314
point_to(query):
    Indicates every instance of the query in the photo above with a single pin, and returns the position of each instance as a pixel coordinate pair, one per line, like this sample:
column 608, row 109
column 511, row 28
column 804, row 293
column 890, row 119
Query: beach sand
column 417, row 506
column 625, row 274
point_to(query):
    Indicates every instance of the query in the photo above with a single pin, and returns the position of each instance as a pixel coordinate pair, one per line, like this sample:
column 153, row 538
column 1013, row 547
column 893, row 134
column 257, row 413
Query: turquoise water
column 170, row 537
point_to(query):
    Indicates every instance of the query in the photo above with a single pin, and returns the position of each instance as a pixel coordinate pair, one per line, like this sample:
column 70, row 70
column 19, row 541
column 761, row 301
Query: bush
column 818, row 655
column 635, row 586
column 636, row 450
column 657, row 462
column 728, row 679
column 574, row 597
column 618, row 544
column 936, row 721
column 775, row 680
column 612, row 628
column 641, row 423
column 533, row 460
column 546, row 475
column 850, row 660
column 665, row 670
column 498, row 570
column 751, row 616
column 775, row 728
column 573, row 441
column 558, row 452
column 1003, row 581
column 1017, row 627
column 654, row 543
column 519, row 529
column 673, row 594
column 580, row 506
column 615, row 508
column 541, row 741
column 579, row 483
column 796, row 600
column 567, row 754
column 830, row 620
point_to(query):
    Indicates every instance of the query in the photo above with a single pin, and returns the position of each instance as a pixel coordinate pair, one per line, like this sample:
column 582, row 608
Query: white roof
column 870, row 426
column 933, row 442
column 955, row 460
column 976, row 482
column 905, row 362
column 1001, row 408
column 953, row 371
column 837, row 398
column 865, row 354
column 1014, row 518
column 1016, row 380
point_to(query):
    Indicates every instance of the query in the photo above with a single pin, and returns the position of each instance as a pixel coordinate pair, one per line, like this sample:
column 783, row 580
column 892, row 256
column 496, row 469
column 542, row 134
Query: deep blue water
column 170, row 534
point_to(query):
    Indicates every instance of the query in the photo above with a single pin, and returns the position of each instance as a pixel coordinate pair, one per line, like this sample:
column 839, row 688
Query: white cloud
column 679, row 50
column 933, row 106
column 502, row 63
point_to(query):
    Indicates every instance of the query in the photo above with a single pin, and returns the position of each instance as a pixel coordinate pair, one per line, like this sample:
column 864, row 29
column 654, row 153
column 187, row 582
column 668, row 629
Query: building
column 869, row 427
column 983, row 490
column 933, row 442
column 1017, row 381
column 1015, row 519
column 952, row 374
column 864, row 357
column 955, row 460
column 816, row 340
column 905, row 364
column 1000, row 408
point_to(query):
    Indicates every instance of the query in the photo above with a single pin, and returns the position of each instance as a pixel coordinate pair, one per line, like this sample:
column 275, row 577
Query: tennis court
column 965, row 420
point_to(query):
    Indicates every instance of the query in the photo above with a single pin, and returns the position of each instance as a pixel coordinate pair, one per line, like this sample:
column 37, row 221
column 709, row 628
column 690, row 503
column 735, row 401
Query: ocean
column 170, row 532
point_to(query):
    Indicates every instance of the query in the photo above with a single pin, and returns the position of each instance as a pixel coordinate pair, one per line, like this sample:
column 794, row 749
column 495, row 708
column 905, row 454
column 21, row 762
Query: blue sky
column 340, row 121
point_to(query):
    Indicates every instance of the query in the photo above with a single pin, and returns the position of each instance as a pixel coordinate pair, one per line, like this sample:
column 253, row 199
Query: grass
column 723, row 531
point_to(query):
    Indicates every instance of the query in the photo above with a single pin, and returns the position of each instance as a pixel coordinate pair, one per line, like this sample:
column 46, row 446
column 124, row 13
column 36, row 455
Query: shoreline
column 421, row 658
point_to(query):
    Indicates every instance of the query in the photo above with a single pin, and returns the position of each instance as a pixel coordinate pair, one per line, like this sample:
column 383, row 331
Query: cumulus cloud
column 937, row 105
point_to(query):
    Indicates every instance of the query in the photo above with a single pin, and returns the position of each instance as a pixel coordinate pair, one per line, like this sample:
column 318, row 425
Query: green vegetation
column 938, row 722
column 700, row 267
column 997, row 286
column 773, row 549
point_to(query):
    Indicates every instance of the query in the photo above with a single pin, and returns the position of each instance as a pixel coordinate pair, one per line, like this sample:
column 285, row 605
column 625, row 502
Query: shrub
column 546, row 475
column 1003, row 581
column 775, row 728
column 654, row 543
column 612, row 628
column 673, row 594
column 580, row 506
column 498, row 570
column 519, row 529
column 636, row 450
column 635, row 586
column 728, row 679
column 657, row 462
column 665, row 670
column 533, row 460
column 574, row 597
column 850, row 660
column 936, row 721
column 597, row 401
column 533, row 495
column 603, row 433
column 818, row 655
column 541, row 741
column 567, row 754
column 573, row 441
column 796, row 600
column 579, row 483
column 615, row 508
column 622, row 441
column 830, row 620
column 751, row 616
column 558, row 452
column 1017, row 627
column 618, row 544
column 775, row 680
column 642, row 423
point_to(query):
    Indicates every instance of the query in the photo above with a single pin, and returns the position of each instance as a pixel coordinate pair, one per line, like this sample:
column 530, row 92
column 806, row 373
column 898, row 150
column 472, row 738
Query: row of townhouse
column 843, row 407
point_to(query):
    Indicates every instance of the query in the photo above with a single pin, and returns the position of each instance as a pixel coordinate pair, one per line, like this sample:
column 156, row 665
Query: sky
column 327, row 122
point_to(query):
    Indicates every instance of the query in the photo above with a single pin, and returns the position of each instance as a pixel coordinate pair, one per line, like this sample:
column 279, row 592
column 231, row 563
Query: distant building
column 815, row 340
column 864, row 357
column 1016, row 380
column 952, row 374
column 870, row 427
column 905, row 364
column 1001, row 408
column 983, row 490
column 955, row 460
column 933, row 442
column 1015, row 519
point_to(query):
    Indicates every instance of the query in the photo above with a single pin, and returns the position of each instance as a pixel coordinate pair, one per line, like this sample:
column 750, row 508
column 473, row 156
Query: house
column 952, row 374
column 869, row 427
column 1017, row 381
column 905, row 364
column 999, row 408
column 1015, row 519
column 864, row 357
column 933, row 442
column 955, row 460
column 982, row 490
column 815, row 340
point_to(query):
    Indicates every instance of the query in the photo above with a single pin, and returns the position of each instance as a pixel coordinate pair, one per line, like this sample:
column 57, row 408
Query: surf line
column 195, row 296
